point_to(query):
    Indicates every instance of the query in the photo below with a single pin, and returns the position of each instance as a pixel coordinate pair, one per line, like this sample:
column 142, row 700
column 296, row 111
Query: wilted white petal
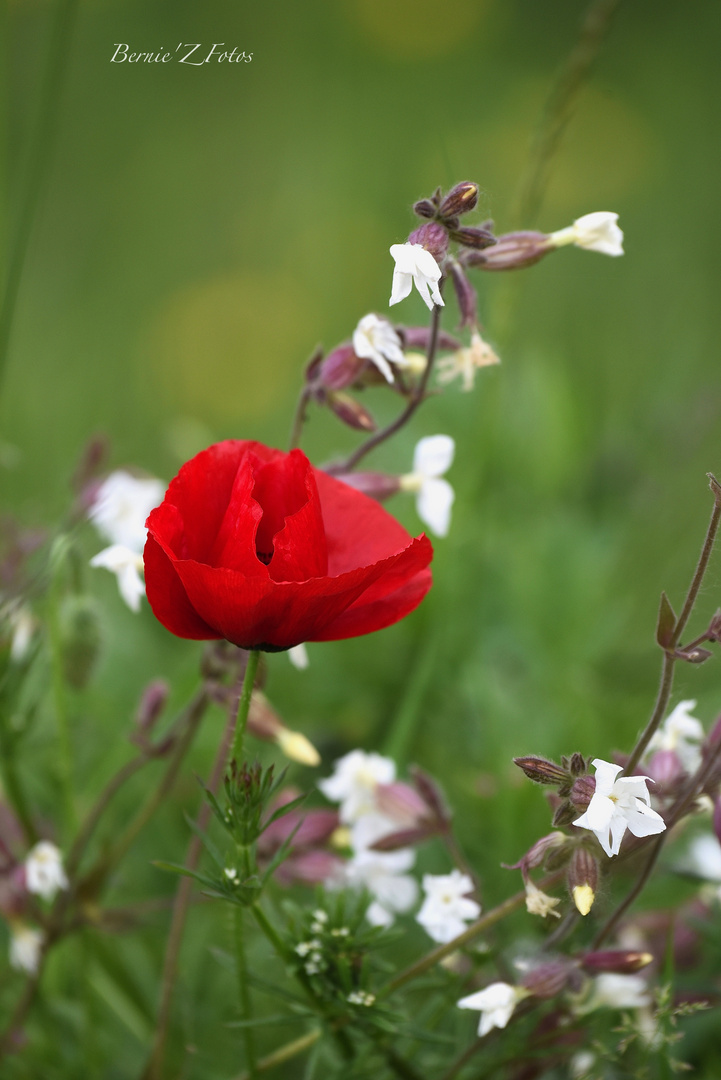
column 599, row 231
column 414, row 264
column 376, row 340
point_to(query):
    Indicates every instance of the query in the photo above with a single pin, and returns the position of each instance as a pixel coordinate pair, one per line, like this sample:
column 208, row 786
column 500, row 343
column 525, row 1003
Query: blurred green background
column 202, row 228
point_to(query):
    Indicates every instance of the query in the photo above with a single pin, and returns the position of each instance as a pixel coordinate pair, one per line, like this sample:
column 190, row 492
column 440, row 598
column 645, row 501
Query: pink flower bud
column 309, row 868
column 465, row 294
column 401, row 803
column 621, row 961
column 541, row 770
column 664, row 767
column 512, row 251
column 478, row 239
column 404, row 838
column 425, row 208
column 151, row 705
column 350, row 411
column 433, row 238
column 340, row 368
column 582, row 792
column 378, row 485
column 460, row 199
column 418, row 339
column 548, row 979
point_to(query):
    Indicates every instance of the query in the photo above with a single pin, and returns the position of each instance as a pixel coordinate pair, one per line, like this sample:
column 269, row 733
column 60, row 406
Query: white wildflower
column 598, row 231
column 612, row 991
column 375, row 339
column 433, row 456
column 414, row 264
column 447, row 909
column 298, row 657
column 618, row 805
column 25, row 948
column 382, row 873
column 126, row 564
column 496, row 1004
column 354, row 781
column 44, row 873
column 121, row 508
column 681, row 733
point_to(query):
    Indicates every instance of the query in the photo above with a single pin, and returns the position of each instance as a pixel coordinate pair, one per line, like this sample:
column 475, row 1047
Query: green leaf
column 285, row 809
column 666, row 624
column 206, row 842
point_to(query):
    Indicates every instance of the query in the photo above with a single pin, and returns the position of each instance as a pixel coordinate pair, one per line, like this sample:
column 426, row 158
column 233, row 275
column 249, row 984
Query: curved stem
column 181, row 903
column 299, row 418
column 38, row 166
column 420, row 392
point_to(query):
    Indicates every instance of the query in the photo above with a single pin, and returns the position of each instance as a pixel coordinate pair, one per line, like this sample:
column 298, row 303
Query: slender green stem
column 60, row 701
column 38, row 166
column 244, row 705
column 285, row 1053
column 269, row 930
column 639, row 885
column 244, row 990
column 299, row 418
column 559, row 107
column 669, row 659
column 14, row 789
column 154, row 1068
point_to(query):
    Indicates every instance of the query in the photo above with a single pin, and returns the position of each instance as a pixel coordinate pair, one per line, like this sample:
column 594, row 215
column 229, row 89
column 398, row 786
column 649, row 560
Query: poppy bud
column 512, row 251
column 80, row 638
column 350, row 411
column 541, row 770
column 460, row 199
column 621, row 961
column 433, row 238
column 583, row 879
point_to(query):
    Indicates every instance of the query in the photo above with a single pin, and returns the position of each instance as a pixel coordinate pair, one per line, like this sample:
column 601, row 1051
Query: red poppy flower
column 257, row 546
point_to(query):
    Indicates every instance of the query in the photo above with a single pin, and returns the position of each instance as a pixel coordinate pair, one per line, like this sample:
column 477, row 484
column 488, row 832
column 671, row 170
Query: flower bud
column 80, row 638
column 297, row 747
column 541, row 770
column 468, row 237
column 378, row 485
column 512, row 251
column 465, row 294
column 433, row 238
column 539, row 853
column 582, row 792
column 401, row 803
column 431, row 793
column 425, row 208
column 583, row 879
column 151, row 705
column 459, row 200
column 419, row 337
column 350, row 411
column 340, row 368
column 404, row 838
column 577, row 764
column 665, row 767
column 548, row 979
column 621, row 961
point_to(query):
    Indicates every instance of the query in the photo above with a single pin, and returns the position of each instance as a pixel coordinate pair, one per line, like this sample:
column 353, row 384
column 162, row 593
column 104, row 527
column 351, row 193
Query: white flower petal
column 122, row 505
column 298, row 657
column 433, row 455
column 401, row 287
column 598, row 814
column 606, row 774
column 599, row 231
column 433, row 505
column 643, row 821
